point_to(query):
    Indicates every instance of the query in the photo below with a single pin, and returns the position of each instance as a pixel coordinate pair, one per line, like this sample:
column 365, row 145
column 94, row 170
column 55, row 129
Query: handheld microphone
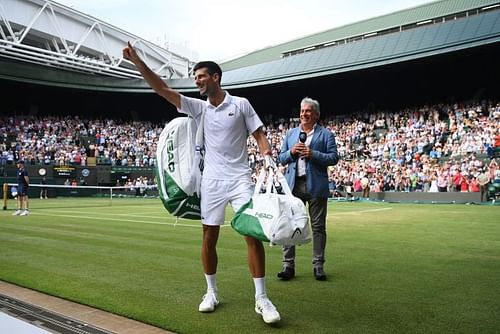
column 302, row 137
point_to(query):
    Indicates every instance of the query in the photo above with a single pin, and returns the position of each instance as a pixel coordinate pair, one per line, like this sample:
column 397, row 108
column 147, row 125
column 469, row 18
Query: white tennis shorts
column 217, row 194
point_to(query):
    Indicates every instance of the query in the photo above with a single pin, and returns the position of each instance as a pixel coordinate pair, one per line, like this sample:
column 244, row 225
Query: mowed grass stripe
column 101, row 247
column 121, row 220
column 109, row 269
column 171, row 271
column 83, row 225
column 97, row 239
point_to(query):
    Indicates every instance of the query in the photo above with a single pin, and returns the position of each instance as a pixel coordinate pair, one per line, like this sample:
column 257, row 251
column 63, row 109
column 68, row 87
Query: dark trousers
column 317, row 208
column 484, row 192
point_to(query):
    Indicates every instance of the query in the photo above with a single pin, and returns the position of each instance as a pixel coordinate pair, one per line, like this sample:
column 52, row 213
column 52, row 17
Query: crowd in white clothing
column 419, row 149
column 415, row 149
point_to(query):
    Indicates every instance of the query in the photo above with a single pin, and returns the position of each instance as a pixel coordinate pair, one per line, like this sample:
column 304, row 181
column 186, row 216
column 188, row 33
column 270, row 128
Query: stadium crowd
column 71, row 140
column 433, row 148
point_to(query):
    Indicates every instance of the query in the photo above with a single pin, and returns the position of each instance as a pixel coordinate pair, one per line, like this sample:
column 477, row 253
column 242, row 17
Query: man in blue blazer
column 307, row 151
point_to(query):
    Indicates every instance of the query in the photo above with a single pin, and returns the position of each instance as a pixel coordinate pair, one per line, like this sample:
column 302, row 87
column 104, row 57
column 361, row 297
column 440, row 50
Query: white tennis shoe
column 17, row 213
column 209, row 302
column 264, row 307
column 24, row 213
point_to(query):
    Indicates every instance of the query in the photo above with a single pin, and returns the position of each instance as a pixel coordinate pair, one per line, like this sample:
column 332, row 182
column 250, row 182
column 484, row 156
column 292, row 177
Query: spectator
column 483, row 180
column 309, row 150
column 474, row 185
column 422, row 138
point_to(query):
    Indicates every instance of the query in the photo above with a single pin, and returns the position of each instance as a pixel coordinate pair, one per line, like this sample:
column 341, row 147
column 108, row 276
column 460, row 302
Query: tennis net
column 85, row 194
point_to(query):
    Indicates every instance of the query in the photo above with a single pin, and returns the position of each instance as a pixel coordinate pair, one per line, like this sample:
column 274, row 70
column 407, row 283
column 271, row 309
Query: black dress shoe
column 319, row 274
column 287, row 273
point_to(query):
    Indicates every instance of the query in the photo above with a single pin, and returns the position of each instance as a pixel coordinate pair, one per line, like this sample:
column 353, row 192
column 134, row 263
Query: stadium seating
column 403, row 150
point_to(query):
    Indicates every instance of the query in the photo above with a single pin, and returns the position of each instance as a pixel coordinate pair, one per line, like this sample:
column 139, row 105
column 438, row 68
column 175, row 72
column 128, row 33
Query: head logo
column 193, row 206
column 264, row 215
column 170, row 152
column 297, row 232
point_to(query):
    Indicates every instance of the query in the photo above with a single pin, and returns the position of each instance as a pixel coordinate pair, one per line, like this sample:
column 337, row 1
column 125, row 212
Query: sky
column 223, row 29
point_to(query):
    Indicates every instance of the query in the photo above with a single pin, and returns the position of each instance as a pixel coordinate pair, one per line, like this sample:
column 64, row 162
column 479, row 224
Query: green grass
column 393, row 268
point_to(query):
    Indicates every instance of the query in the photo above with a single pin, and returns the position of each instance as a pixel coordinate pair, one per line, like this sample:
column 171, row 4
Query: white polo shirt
column 226, row 129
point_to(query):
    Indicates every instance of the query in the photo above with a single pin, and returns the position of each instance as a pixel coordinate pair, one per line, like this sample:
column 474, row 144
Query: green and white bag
column 280, row 219
column 179, row 157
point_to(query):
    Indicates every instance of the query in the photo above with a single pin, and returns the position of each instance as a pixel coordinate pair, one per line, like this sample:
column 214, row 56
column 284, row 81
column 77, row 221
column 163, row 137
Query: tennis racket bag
column 179, row 166
column 275, row 216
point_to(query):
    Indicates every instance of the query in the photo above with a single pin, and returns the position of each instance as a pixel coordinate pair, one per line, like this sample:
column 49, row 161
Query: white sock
column 260, row 287
column 211, row 282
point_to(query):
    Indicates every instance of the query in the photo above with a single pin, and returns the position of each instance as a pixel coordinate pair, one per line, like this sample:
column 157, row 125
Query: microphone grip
column 302, row 137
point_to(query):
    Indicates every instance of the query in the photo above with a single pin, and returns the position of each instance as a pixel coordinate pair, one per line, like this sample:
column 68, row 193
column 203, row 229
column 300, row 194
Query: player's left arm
column 264, row 148
column 262, row 142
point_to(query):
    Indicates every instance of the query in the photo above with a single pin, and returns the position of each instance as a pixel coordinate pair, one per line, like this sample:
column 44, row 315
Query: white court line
column 142, row 215
column 115, row 219
column 124, row 220
column 226, row 223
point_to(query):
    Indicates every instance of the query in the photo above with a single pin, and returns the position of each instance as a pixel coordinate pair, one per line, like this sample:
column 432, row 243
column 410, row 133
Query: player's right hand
column 129, row 53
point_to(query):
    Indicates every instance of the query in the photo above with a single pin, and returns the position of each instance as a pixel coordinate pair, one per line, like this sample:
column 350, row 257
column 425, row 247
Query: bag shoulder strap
column 270, row 181
column 271, row 172
column 260, row 180
column 282, row 181
column 199, row 141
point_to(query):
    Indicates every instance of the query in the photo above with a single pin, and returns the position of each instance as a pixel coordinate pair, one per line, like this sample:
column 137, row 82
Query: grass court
column 392, row 268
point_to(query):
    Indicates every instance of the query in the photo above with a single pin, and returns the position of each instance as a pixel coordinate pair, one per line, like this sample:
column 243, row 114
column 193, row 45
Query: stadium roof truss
column 46, row 33
column 32, row 34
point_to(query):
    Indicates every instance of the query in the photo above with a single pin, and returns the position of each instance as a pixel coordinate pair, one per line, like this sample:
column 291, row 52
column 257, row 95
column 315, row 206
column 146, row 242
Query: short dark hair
column 211, row 67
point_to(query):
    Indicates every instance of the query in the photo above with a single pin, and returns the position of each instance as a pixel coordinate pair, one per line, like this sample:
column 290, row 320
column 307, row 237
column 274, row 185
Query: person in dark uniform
column 43, row 189
column 23, row 182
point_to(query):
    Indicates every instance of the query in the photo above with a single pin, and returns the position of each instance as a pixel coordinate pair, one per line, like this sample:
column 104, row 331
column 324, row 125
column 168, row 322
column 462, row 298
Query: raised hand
column 129, row 53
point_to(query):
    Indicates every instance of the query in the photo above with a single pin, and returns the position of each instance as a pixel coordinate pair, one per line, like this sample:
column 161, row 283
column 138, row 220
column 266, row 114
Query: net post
column 5, row 195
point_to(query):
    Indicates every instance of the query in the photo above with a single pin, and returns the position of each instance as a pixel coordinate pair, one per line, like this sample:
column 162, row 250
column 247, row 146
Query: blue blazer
column 324, row 154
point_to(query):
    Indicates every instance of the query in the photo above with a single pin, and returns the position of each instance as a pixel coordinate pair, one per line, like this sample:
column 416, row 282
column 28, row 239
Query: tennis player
column 226, row 176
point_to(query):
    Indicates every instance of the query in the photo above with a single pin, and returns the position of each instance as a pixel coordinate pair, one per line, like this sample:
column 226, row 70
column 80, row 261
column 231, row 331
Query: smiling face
column 207, row 84
column 308, row 115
